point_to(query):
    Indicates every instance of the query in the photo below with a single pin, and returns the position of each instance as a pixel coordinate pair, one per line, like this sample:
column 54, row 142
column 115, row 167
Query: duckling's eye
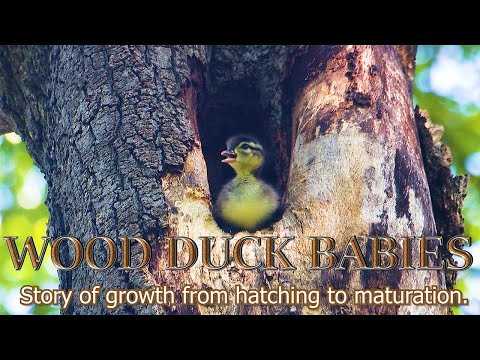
column 245, row 147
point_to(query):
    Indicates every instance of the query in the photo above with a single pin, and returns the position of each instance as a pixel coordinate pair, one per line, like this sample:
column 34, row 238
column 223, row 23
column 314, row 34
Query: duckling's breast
column 247, row 202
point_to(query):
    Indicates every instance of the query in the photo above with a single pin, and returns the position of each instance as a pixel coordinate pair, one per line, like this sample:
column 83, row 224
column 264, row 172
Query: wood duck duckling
column 246, row 202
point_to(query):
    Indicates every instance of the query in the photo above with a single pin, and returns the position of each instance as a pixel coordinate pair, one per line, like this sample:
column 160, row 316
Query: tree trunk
column 125, row 136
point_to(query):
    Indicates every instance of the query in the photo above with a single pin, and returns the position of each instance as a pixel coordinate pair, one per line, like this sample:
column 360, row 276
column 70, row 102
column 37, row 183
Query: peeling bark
column 125, row 135
column 448, row 192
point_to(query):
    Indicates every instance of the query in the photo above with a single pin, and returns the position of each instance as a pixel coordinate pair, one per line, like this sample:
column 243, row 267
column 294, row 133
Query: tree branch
column 24, row 71
column 5, row 121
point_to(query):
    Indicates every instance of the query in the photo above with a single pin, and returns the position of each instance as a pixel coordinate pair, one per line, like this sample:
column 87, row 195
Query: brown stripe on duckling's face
column 244, row 156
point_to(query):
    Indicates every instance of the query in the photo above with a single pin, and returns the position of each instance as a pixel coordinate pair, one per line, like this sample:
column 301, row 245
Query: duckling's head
column 244, row 154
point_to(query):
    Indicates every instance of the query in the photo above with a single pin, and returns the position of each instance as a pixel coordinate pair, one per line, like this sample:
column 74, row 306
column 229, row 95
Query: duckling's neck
column 244, row 174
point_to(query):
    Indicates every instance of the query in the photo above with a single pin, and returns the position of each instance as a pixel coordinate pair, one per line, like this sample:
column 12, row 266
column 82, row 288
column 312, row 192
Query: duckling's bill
column 231, row 156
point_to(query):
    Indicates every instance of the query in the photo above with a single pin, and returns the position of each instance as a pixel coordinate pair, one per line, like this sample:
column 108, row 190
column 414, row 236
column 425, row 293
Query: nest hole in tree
column 236, row 109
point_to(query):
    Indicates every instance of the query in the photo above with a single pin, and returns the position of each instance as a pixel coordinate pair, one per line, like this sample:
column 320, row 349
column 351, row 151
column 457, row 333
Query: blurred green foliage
column 22, row 213
column 445, row 85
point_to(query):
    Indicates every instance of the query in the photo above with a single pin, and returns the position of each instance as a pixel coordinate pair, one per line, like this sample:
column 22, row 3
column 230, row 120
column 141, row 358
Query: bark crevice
column 248, row 92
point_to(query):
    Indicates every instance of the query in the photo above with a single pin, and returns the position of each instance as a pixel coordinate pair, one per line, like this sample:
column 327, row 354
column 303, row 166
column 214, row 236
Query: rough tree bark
column 125, row 134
